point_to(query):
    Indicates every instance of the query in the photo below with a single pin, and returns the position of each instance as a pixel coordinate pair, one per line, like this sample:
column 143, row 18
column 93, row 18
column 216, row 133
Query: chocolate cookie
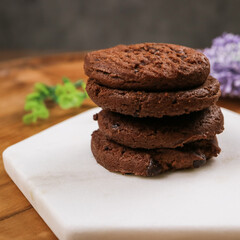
column 154, row 104
column 166, row 132
column 117, row 158
column 148, row 66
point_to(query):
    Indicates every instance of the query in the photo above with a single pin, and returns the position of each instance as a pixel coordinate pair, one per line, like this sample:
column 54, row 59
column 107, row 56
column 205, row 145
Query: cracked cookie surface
column 148, row 66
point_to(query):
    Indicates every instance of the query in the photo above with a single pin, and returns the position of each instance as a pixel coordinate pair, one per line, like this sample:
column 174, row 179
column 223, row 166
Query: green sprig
column 66, row 95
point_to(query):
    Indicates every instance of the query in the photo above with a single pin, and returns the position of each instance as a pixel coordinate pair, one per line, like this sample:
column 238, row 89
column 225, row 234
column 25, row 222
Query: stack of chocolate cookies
column 159, row 111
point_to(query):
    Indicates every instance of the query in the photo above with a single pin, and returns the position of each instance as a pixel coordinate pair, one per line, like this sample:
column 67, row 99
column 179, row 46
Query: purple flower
column 224, row 57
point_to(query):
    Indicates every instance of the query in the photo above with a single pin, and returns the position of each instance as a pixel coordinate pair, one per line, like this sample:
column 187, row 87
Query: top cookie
column 148, row 66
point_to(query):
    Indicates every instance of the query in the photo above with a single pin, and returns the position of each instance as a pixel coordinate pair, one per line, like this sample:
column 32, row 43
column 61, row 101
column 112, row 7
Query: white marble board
column 79, row 199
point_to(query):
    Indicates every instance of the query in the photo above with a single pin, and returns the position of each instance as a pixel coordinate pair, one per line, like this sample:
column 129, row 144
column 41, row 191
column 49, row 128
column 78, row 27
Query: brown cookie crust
column 118, row 158
column 148, row 66
column 166, row 132
column 154, row 104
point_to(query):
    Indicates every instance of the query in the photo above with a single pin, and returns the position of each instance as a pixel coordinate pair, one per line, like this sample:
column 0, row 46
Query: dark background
column 71, row 25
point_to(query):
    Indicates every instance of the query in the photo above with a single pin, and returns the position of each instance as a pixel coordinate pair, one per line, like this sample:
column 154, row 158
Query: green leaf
column 42, row 89
column 67, row 101
column 33, row 96
column 29, row 118
column 84, row 86
column 59, row 90
column 84, row 89
column 69, row 87
column 65, row 80
column 31, row 104
column 79, row 83
column 81, row 97
column 43, row 113
column 66, row 95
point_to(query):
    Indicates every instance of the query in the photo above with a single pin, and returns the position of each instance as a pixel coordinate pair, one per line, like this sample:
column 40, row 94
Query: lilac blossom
column 224, row 57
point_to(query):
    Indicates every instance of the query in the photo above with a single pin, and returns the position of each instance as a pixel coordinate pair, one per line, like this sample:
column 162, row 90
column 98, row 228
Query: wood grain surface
column 18, row 220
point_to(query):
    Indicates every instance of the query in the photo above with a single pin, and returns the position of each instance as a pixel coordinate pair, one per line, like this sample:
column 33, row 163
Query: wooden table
column 18, row 219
